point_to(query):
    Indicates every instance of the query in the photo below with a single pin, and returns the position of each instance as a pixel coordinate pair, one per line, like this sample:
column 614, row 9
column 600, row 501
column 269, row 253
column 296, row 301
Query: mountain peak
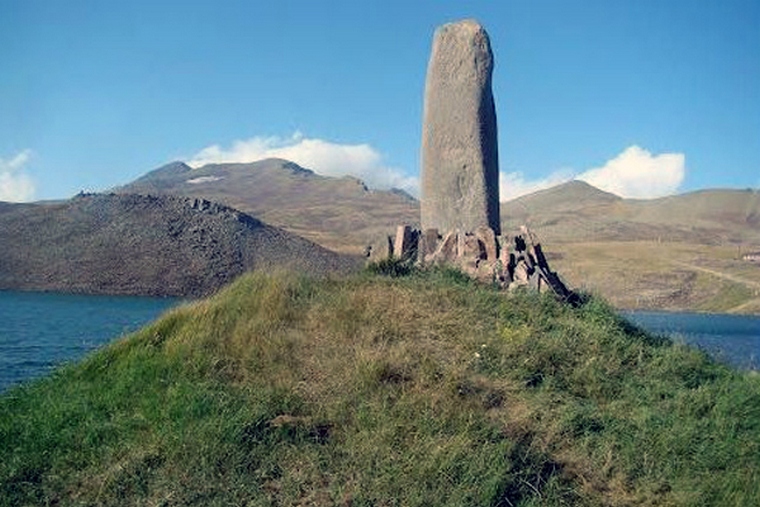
column 176, row 167
column 265, row 164
column 402, row 193
column 292, row 166
column 167, row 171
column 573, row 191
column 582, row 188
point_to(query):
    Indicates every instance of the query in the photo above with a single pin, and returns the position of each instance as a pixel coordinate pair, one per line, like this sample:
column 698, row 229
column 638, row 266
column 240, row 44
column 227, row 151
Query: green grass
column 419, row 390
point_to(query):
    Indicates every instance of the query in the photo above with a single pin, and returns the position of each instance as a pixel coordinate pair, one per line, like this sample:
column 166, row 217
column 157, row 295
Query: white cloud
column 513, row 185
column 638, row 174
column 323, row 157
column 15, row 184
column 634, row 173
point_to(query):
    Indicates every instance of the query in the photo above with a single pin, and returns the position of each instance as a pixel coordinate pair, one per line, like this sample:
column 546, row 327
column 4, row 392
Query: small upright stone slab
column 460, row 167
column 488, row 238
column 402, row 247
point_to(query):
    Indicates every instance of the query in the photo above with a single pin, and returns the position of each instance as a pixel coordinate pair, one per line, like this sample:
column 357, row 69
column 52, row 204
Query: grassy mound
column 422, row 390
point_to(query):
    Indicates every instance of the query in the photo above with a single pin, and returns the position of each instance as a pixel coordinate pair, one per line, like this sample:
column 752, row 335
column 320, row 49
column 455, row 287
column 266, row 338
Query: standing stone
column 403, row 244
column 460, row 166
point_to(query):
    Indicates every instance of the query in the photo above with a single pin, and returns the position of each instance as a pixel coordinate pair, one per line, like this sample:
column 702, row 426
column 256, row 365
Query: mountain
column 576, row 211
column 680, row 252
column 344, row 215
column 571, row 196
column 148, row 245
column 339, row 213
column 725, row 208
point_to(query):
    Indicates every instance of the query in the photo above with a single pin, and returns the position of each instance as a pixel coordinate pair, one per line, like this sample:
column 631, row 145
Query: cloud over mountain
column 324, row 157
column 15, row 184
column 634, row 173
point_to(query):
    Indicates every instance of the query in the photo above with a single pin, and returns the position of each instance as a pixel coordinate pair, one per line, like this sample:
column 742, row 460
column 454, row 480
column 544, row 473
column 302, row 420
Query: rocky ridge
column 145, row 245
column 341, row 214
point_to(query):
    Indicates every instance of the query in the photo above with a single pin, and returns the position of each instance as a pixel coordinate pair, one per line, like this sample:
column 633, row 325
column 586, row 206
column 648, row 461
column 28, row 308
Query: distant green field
column 421, row 390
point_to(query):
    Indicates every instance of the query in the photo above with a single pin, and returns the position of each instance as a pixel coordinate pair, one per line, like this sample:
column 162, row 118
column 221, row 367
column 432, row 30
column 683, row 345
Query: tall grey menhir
column 460, row 160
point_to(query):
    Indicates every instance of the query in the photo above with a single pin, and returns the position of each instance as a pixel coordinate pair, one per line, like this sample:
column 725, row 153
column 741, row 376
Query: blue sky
column 640, row 97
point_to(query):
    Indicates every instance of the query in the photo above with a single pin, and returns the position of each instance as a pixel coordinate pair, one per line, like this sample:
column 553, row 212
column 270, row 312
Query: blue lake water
column 41, row 330
column 734, row 339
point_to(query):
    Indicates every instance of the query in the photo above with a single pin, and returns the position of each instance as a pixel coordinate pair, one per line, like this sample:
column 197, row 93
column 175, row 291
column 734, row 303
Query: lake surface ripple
column 39, row 331
column 734, row 339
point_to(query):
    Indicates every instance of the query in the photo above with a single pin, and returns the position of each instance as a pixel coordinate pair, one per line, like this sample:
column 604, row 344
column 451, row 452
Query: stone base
column 482, row 255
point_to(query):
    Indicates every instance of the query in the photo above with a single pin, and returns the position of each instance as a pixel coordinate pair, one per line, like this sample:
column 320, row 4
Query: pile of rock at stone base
column 483, row 256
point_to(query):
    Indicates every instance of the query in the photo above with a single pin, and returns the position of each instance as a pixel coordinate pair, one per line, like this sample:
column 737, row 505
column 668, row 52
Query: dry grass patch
column 660, row 275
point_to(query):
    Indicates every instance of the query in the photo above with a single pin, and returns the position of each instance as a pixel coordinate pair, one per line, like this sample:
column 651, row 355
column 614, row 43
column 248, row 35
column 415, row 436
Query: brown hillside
column 339, row 213
column 576, row 211
column 131, row 244
column 726, row 208
column 679, row 252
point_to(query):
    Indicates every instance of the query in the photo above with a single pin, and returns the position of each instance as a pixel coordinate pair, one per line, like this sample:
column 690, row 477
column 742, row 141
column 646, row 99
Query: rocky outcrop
column 146, row 245
column 486, row 257
column 460, row 167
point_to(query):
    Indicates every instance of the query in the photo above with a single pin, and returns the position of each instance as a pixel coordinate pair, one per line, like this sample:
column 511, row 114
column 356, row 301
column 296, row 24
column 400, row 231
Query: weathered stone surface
column 472, row 247
column 521, row 274
column 488, row 238
column 428, row 243
column 447, row 251
column 460, row 174
column 470, row 253
column 402, row 247
column 503, row 244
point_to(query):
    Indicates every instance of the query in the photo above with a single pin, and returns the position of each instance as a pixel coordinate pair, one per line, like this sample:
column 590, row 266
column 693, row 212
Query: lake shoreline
column 26, row 353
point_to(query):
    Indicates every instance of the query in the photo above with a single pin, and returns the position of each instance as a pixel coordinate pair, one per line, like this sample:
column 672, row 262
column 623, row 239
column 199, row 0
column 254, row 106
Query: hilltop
column 572, row 196
column 341, row 214
column 576, row 211
column 427, row 390
column 145, row 245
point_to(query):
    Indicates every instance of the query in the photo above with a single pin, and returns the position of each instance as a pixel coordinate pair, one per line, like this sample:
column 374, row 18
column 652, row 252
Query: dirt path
column 747, row 283
column 755, row 286
column 752, row 304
